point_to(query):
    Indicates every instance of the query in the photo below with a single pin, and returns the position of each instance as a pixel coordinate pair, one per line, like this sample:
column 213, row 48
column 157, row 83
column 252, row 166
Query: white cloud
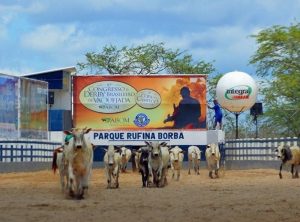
column 15, row 72
column 126, row 4
column 230, row 46
column 2, row 31
column 49, row 37
column 61, row 32
column 33, row 7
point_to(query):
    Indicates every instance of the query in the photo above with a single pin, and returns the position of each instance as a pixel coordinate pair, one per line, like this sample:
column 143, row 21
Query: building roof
column 67, row 69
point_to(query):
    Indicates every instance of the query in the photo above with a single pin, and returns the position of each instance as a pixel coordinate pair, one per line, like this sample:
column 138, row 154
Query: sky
column 42, row 35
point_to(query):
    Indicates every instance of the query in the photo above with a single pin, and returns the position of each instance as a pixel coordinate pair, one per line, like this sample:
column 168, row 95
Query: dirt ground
column 245, row 195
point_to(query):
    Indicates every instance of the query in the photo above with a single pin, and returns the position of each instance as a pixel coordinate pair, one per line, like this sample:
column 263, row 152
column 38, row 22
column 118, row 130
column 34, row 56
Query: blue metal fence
column 240, row 149
column 256, row 149
column 26, row 151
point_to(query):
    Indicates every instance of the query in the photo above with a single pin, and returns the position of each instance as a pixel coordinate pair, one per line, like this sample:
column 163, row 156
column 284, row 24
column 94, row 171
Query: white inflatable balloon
column 236, row 91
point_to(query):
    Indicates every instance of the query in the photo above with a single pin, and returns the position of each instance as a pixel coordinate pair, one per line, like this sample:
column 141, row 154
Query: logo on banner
column 238, row 92
column 115, row 120
column 141, row 120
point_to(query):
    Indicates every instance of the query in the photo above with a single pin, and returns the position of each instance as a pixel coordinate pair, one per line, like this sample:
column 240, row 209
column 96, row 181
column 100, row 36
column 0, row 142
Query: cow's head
column 123, row 151
column 111, row 150
column 197, row 154
column 175, row 152
column 213, row 149
column 78, row 136
column 155, row 147
column 284, row 152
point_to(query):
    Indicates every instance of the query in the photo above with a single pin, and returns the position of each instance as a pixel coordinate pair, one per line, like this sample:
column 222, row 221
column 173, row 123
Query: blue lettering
column 170, row 136
column 181, row 136
column 109, row 136
column 96, row 135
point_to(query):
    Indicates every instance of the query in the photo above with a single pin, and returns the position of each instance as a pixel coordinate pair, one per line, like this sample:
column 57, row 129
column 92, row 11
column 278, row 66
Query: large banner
column 140, row 102
column 33, row 109
column 8, row 106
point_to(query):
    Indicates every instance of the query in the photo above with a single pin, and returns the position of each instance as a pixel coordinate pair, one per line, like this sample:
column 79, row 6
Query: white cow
column 194, row 158
column 137, row 156
column 213, row 156
column 176, row 159
column 158, row 162
column 58, row 162
column 79, row 158
column 125, row 157
column 112, row 163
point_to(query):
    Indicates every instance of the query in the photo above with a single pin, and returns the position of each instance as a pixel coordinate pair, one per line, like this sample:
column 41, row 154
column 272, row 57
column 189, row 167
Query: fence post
column 22, row 153
column 245, row 157
column 11, row 153
column 269, row 151
column 31, row 153
column 250, row 151
column 265, row 144
column 1, row 152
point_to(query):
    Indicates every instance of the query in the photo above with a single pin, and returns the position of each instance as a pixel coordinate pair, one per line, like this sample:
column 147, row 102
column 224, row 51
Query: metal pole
column 256, row 132
column 236, row 125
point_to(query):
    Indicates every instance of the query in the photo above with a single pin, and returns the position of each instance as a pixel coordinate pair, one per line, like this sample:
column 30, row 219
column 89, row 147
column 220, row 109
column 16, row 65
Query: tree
column 278, row 58
column 143, row 60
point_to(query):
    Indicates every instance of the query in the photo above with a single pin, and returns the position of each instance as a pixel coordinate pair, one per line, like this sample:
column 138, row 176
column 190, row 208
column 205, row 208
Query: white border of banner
column 174, row 137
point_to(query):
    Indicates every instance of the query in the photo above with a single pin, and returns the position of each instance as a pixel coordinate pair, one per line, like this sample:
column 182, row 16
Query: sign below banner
column 136, row 138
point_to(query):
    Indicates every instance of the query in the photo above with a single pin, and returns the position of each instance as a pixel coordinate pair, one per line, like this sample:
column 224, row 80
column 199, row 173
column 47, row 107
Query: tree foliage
column 143, row 60
column 278, row 60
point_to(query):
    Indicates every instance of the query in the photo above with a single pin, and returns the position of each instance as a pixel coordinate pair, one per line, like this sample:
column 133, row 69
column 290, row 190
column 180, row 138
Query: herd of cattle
column 75, row 159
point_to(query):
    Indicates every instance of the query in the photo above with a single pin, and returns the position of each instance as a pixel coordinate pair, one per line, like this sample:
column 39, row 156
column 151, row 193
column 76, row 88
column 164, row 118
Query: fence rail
column 256, row 149
column 26, row 151
column 239, row 149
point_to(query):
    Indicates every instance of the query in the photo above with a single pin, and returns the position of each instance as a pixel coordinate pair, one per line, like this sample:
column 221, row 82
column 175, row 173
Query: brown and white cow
column 289, row 156
column 79, row 157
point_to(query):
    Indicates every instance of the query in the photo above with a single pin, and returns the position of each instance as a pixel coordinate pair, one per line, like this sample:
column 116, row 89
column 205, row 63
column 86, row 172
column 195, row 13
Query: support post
column 256, row 129
column 236, row 125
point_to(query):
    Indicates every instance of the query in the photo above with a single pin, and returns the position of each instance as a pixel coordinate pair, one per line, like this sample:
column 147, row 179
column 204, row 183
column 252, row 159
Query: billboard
column 33, row 109
column 8, row 106
column 135, row 102
column 156, row 103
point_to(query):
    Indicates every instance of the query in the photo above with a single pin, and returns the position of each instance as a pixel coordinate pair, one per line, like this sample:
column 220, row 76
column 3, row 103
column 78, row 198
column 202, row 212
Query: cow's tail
column 54, row 159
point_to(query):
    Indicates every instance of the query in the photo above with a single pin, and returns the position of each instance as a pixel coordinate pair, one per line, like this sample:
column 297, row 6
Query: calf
column 58, row 162
column 142, row 156
column 194, row 157
column 212, row 155
column 290, row 156
column 112, row 162
column 125, row 157
column 78, row 155
column 176, row 158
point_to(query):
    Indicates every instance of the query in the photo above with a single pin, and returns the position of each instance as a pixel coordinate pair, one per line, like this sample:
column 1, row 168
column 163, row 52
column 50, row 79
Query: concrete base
column 251, row 164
